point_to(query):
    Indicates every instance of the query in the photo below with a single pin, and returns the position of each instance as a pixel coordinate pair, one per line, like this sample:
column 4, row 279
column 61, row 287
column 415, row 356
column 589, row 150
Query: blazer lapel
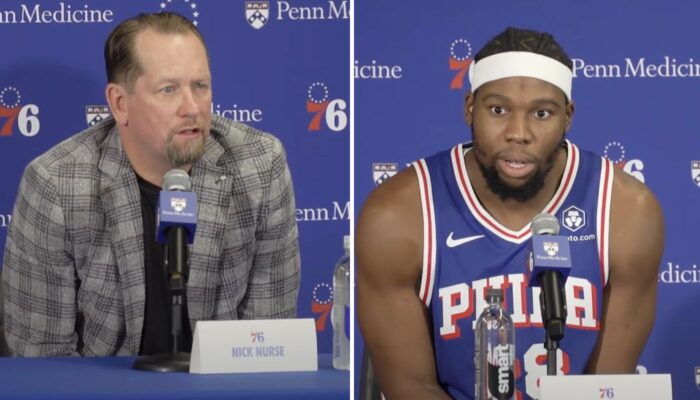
column 212, row 184
column 122, row 203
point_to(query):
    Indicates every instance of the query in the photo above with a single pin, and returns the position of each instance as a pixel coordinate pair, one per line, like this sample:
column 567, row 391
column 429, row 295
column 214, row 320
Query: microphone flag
column 549, row 253
column 176, row 208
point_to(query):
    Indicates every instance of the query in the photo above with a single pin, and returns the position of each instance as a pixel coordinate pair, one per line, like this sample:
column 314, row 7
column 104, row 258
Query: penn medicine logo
column 178, row 203
column 551, row 248
column 257, row 13
column 24, row 116
column 695, row 171
column 460, row 60
column 573, row 218
column 96, row 114
column 331, row 111
column 383, row 171
column 616, row 153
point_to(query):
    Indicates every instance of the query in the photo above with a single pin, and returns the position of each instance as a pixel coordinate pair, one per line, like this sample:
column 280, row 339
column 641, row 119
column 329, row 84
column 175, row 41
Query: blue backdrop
column 637, row 66
column 288, row 76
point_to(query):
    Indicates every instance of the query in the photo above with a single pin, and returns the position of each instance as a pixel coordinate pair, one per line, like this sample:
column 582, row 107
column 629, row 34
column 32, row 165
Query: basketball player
column 432, row 239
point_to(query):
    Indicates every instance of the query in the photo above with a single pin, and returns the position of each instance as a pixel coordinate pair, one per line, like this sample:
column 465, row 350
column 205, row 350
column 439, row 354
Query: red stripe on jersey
column 429, row 212
column 571, row 162
column 603, row 220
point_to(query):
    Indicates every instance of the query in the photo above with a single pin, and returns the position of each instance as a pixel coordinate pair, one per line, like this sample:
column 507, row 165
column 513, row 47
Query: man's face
column 168, row 107
column 518, row 126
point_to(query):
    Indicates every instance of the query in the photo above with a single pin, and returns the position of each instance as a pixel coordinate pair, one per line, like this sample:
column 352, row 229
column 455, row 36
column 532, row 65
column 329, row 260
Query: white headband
column 521, row 63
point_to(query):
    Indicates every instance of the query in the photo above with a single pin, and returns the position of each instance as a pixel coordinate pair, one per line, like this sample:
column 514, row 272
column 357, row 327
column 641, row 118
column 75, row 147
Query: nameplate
column 277, row 345
column 618, row 387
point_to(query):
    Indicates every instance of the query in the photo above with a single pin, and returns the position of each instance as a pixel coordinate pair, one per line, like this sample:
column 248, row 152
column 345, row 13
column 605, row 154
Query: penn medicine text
column 668, row 67
column 62, row 14
column 334, row 213
column 333, row 10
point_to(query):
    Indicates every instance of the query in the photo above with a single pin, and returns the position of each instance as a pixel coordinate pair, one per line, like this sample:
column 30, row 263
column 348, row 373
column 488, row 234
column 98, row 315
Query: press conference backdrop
column 636, row 88
column 285, row 73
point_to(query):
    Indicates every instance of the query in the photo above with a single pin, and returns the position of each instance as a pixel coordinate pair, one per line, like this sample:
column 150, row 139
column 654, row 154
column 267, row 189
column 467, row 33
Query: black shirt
column 156, row 337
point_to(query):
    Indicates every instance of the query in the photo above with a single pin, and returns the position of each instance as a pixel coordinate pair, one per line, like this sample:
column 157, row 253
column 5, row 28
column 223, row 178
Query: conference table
column 113, row 378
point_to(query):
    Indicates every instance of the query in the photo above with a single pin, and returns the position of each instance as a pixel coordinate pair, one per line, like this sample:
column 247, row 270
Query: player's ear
column 570, row 108
column 469, row 108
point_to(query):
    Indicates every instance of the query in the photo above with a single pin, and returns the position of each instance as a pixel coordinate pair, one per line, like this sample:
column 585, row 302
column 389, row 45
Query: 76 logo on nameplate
column 606, row 393
column 257, row 336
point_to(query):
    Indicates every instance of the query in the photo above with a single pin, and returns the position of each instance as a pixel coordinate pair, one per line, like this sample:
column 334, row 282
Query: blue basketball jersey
column 466, row 251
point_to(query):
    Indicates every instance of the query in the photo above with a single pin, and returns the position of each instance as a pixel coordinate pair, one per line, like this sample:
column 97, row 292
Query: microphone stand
column 176, row 263
column 551, row 345
column 553, row 304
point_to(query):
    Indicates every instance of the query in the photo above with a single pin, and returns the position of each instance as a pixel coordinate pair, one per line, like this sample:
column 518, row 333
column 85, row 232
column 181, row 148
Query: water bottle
column 494, row 353
column 340, row 316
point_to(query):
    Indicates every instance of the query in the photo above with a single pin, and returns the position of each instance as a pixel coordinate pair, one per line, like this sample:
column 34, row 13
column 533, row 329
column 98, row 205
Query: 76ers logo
column 12, row 109
column 615, row 152
column 321, row 304
column 460, row 59
column 187, row 7
column 332, row 111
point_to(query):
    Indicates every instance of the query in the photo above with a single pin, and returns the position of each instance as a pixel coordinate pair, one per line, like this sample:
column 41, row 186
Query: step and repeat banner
column 636, row 88
column 283, row 70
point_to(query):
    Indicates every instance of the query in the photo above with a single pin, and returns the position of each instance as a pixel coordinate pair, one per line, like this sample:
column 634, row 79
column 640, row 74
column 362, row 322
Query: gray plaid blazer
column 73, row 275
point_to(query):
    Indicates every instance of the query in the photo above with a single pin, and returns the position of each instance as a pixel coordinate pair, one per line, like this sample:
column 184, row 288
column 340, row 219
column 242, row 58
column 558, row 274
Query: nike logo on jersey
column 452, row 242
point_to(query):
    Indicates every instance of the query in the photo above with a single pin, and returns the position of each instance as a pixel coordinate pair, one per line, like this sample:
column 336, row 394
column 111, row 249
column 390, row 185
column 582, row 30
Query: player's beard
column 523, row 192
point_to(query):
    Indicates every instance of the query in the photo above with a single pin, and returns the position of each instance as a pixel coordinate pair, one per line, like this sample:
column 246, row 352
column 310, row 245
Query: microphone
column 176, row 222
column 177, row 206
column 549, row 266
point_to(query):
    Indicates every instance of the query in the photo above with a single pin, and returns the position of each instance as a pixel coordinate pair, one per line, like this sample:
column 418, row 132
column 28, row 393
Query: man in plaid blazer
column 75, row 275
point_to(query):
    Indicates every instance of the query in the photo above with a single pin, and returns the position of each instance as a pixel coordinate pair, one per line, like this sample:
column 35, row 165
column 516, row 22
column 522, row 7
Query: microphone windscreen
column 545, row 224
column 177, row 179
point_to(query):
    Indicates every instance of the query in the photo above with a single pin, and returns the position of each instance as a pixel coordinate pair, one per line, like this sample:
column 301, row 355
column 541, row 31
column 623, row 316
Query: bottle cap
column 495, row 293
column 346, row 242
